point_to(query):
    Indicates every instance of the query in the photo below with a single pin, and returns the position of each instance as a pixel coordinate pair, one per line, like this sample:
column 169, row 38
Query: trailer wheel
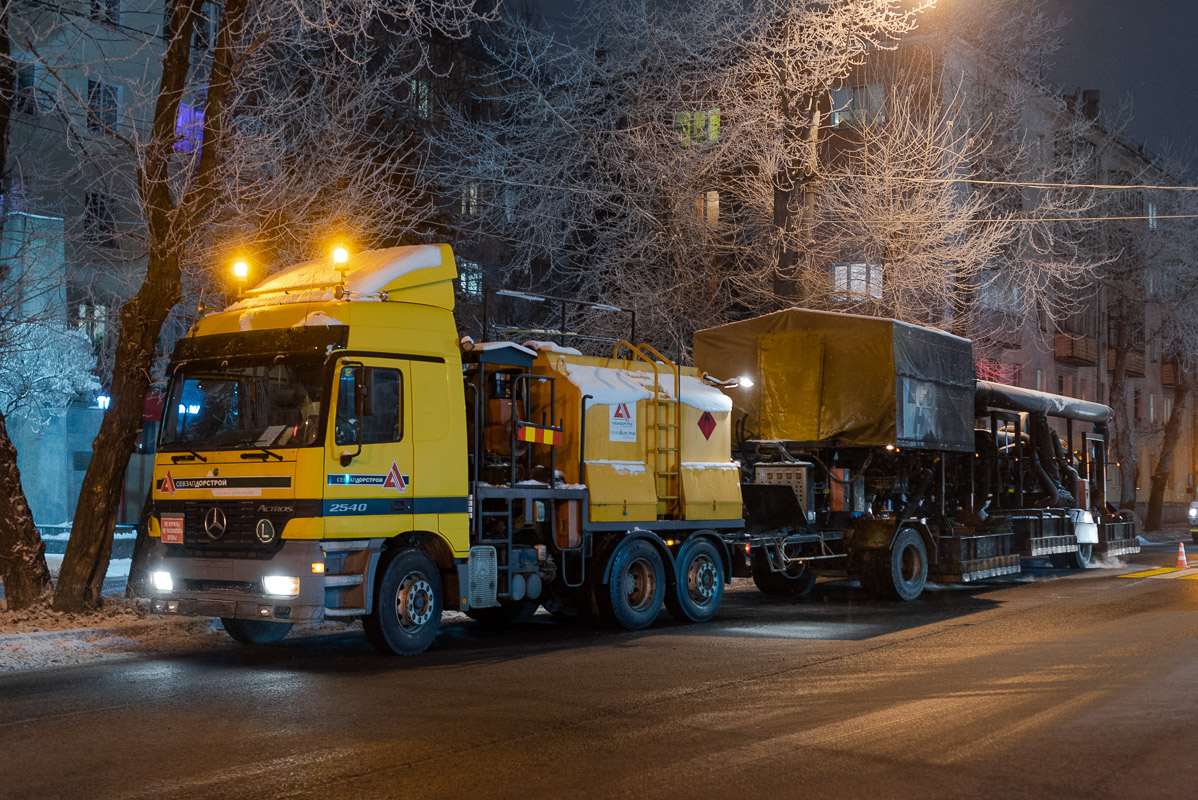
column 796, row 581
column 699, row 589
column 255, row 631
column 903, row 571
column 1079, row 560
column 634, row 596
column 407, row 607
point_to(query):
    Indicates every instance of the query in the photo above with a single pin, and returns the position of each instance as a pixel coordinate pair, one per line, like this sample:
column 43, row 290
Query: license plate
column 172, row 528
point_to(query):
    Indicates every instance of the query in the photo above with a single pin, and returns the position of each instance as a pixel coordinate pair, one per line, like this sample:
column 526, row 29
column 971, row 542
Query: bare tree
column 244, row 132
column 659, row 161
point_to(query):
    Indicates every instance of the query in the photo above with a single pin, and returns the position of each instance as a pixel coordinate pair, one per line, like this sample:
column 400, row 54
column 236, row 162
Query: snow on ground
column 121, row 628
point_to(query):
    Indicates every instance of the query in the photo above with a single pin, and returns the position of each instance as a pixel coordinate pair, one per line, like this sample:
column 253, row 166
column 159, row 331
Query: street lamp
column 241, row 270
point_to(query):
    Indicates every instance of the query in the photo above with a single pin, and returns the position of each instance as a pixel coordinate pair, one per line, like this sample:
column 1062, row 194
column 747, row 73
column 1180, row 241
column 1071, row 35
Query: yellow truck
column 333, row 449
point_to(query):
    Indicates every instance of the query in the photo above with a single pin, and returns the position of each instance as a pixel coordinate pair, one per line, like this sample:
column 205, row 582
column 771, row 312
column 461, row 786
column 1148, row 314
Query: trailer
column 869, row 450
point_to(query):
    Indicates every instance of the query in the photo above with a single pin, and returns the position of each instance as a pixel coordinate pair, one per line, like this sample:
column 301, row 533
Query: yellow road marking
column 1150, row 573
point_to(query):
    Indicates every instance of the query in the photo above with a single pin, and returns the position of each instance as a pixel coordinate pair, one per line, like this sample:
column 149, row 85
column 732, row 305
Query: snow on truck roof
column 367, row 273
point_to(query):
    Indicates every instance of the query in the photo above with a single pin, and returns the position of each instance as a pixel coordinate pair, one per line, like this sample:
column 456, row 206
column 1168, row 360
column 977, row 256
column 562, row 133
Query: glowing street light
column 340, row 255
column 241, row 270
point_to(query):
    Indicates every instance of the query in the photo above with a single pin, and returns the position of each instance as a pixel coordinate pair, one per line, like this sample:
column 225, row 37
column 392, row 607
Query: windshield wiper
column 264, row 455
column 194, row 455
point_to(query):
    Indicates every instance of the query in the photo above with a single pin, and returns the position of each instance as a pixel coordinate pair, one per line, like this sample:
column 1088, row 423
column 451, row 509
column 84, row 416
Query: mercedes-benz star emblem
column 215, row 523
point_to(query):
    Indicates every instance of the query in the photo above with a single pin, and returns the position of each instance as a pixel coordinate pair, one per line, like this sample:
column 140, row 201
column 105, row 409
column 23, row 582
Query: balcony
column 1075, row 349
column 1168, row 374
column 1135, row 363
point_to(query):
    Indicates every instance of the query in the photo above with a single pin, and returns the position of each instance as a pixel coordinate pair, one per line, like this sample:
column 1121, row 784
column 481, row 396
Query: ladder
column 663, row 429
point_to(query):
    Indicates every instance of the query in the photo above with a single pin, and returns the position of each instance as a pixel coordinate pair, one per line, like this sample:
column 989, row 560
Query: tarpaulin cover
column 823, row 377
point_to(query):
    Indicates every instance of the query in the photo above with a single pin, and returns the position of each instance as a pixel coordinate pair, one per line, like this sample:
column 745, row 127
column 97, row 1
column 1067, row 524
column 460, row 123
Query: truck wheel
column 505, row 614
column 1081, row 559
column 796, row 581
column 699, row 589
column 407, row 606
column 255, row 631
column 903, row 571
column 634, row 596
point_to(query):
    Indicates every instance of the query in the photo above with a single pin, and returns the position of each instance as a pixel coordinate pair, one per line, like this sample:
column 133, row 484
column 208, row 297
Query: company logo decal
column 167, row 484
column 171, row 485
column 394, row 479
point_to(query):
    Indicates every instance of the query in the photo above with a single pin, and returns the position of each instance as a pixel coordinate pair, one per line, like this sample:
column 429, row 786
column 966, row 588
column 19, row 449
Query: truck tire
column 903, row 571
column 505, row 614
column 1079, row 560
column 796, row 581
column 633, row 597
column 255, row 631
column 407, row 605
column 699, row 590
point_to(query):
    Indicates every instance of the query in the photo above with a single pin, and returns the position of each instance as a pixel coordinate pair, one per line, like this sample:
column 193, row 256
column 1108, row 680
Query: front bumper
column 232, row 587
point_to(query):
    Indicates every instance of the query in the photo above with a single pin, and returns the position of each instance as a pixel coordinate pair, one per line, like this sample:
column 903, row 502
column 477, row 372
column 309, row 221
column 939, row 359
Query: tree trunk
column 22, row 551
column 86, row 560
column 136, row 585
column 1123, row 436
column 1164, row 464
column 170, row 228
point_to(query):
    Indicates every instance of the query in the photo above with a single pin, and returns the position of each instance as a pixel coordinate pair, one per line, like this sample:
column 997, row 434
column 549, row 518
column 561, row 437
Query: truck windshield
column 246, row 404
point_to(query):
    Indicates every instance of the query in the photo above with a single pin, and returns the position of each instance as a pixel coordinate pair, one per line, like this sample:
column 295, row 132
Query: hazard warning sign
column 621, row 425
column 395, row 480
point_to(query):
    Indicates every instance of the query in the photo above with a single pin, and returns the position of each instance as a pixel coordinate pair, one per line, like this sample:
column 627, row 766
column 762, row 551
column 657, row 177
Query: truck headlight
column 281, row 585
column 1193, row 513
column 162, row 581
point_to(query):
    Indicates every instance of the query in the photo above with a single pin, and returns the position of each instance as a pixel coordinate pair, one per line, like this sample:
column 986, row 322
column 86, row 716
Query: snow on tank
column 609, row 386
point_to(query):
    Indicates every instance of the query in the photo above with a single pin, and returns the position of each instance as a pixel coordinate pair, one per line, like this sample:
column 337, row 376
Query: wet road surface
column 1069, row 685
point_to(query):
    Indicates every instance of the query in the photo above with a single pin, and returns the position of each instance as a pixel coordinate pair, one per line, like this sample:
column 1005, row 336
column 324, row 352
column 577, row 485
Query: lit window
column 696, row 127
column 420, row 97
column 1151, row 407
column 189, row 128
column 859, row 105
column 469, row 203
column 856, row 281
column 707, row 208
column 92, row 322
column 1151, row 214
column 103, row 104
column 470, row 278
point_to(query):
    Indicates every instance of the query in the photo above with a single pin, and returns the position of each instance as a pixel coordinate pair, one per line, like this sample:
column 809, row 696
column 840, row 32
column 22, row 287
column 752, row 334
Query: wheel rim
column 414, row 602
column 912, row 565
column 1084, row 552
column 640, row 584
column 702, row 578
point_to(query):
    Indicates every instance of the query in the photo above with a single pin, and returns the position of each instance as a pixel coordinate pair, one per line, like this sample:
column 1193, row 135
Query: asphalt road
column 1063, row 685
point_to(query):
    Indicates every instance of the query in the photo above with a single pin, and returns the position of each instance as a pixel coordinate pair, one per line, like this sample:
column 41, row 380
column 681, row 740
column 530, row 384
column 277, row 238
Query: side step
column 344, row 612
column 1117, row 547
column 976, row 569
column 1048, row 545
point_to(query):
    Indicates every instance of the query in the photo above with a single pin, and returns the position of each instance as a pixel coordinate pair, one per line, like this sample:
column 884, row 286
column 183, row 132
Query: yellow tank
column 655, row 442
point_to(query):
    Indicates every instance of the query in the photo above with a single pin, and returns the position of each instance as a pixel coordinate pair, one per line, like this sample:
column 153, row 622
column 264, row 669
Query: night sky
column 1142, row 49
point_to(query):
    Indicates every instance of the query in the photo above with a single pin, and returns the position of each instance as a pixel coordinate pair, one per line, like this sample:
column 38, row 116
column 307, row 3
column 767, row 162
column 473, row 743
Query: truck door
column 368, row 453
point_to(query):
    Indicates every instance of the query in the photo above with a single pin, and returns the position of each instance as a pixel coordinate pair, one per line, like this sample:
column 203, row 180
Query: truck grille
column 231, row 525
